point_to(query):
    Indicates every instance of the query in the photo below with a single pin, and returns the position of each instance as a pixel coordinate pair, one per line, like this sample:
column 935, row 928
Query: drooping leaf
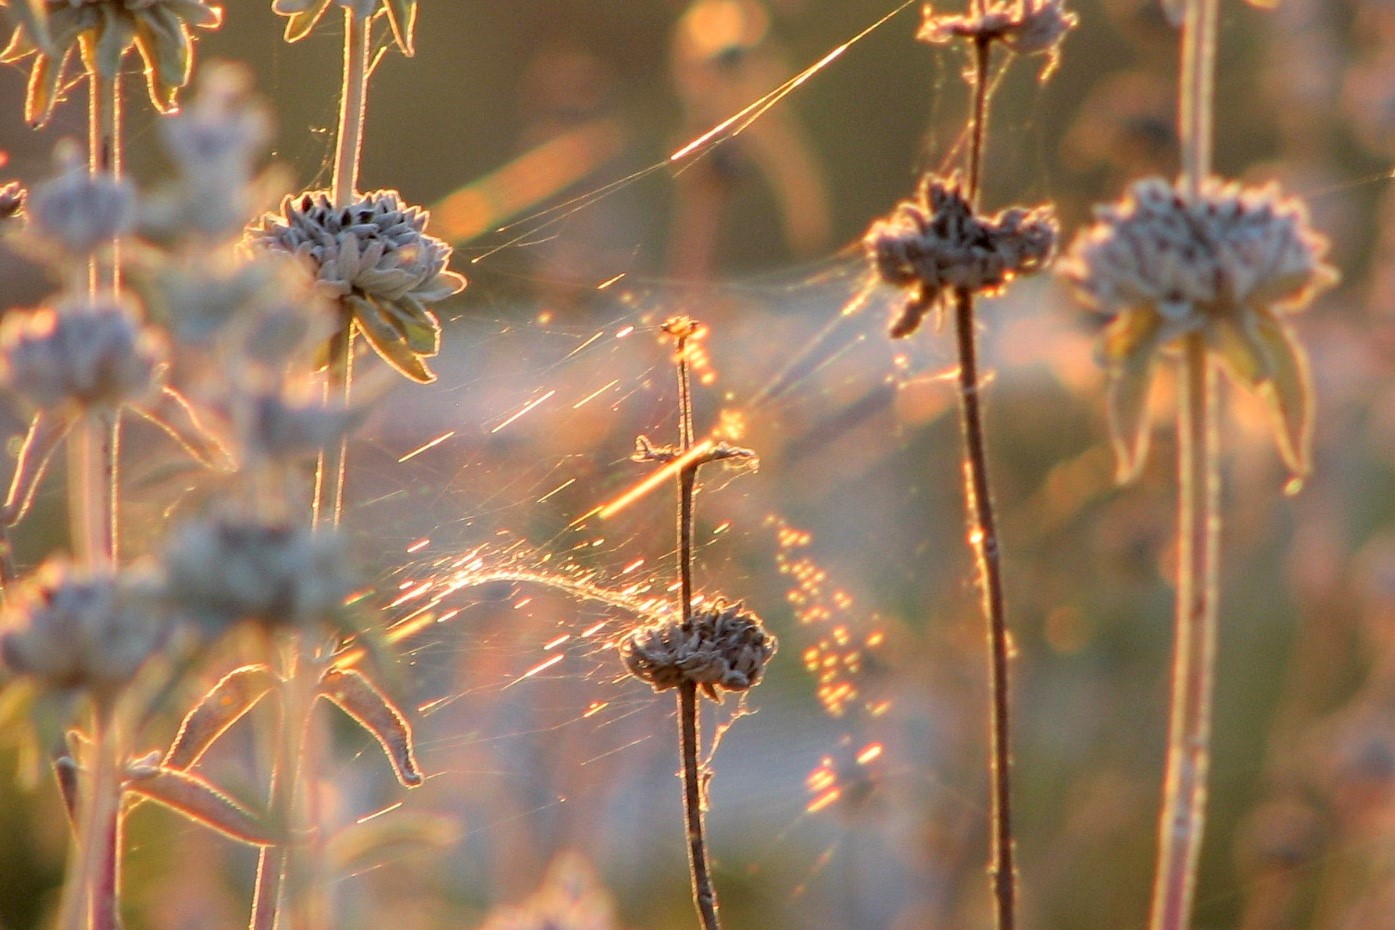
column 172, row 412
column 45, row 77
column 222, row 706
column 1129, row 351
column 388, row 342
column 356, row 696
column 188, row 794
column 300, row 24
column 402, row 17
column 1289, row 392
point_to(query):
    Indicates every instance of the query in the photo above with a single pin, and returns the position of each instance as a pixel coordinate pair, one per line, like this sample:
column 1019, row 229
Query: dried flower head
column 1224, row 264
column 376, row 258
column 223, row 570
column 723, row 646
column 935, row 242
column 104, row 30
column 72, row 629
column 79, row 355
column 1025, row 27
column 77, row 213
column 304, row 14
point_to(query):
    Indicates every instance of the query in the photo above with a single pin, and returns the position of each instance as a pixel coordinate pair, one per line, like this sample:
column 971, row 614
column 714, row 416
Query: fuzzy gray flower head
column 304, row 14
column 161, row 30
column 721, row 647
column 1224, row 264
column 90, row 631
column 935, row 242
column 81, row 355
column 280, row 427
column 1025, row 27
column 215, row 144
column 221, row 571
column 77, row 213
column 375, row 257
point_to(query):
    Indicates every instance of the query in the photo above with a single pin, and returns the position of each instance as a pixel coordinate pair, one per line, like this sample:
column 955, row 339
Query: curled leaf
column 189, row 795
column 224, row 704
column 356, row 696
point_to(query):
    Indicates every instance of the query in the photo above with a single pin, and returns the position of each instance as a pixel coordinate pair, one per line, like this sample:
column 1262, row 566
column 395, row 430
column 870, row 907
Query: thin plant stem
column 1182, row 822
column 689, row 731
column 89, row 898
column 983, row 534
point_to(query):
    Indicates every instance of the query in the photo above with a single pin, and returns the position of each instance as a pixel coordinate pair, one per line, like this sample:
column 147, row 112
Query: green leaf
column 44, row 80
column 1289, row 393
column 388, row 342
column 356, row 696
column 197, row 799
column 300, row 24
column 360, row 845
column 32, row 18
column 402, row 17
column 418, row 325
column 1241, row 350
column 222, row 706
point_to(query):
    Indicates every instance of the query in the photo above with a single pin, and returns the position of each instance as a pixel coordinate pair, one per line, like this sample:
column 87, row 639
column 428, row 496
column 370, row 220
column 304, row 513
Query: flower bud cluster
column 224, row 570
column 91, row 631
column 720, row 647
column 80, row 355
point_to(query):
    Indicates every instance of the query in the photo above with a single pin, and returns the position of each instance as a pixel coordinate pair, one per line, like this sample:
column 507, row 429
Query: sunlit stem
column 983, row 532
column 92, row 455
column 331, row 468
column 689, row 730
column 289, row 894
column 89, row 898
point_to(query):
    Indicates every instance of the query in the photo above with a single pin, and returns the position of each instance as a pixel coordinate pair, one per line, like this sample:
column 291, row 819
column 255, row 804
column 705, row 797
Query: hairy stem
column 1180, row 828
column 1182, row 822
column 983, row 535
column 331, row 468
column 689, row 733
column 89, row 892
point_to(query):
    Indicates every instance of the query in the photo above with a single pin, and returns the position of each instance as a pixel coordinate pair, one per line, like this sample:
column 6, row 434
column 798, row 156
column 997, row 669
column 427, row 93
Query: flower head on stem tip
column 1024, row 27
column 376, row 259
column 161, row 30
column 723, row 647
column 1226, row 264
column 935, row 242
column 303, row 15
column 75, row 214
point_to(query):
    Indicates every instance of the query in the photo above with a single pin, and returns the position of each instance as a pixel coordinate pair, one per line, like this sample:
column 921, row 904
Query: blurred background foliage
column 856, row 796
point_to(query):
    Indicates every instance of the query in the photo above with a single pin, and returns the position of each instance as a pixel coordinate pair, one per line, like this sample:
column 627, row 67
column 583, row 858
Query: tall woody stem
column 1182, row 822
column 983, row 530
column 689, row 732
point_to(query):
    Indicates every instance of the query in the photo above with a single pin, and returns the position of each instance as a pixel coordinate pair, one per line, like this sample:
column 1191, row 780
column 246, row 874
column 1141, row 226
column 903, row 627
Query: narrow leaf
column 173, row 413
column 402, row 17
column 356, row 696
column 44, row 79
column 223, row 705
column 300, row 24
column 46, row 431
column 188, row 794
column 1130, row 351
column 388, row 342
column 1289, row 393
column 360, row 845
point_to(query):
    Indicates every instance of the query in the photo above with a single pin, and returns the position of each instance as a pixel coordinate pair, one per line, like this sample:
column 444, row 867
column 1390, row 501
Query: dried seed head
column 78, row 630
column 376, row 258
column 82, row 355
column 1026, row 27
column 78, row 213
column 935, row 242
column 222, row 570
column 1224, row 264
column 304, row 14
column 104, row 30
column 721, row 647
